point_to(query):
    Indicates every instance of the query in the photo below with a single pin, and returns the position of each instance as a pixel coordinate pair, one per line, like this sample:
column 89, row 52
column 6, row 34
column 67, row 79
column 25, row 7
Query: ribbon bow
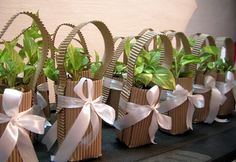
column 136, row 113
column 90, row 110
column 178, row 97
column 217, row 99
column 18, row 122
column 228, row 85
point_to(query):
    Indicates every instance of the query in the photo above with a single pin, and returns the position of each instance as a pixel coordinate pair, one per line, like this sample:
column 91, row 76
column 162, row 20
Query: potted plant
column 225, row 74
column 183, row 73
column 17, row 73
column 74, row 63
column 204, row 69
column 144, row 72
column 116, row 73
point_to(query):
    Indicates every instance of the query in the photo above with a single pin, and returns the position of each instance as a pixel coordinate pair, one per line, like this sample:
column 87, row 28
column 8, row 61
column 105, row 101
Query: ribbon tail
column 51, row 136
column 131, row 118
column 74, row 135
column 215, row 101
column 153, row 128
column 189, row 118
column 25, row 147
column 106, row 112
column 8, row 142
column 41, row 101
column 88, row 140
column 164, row 121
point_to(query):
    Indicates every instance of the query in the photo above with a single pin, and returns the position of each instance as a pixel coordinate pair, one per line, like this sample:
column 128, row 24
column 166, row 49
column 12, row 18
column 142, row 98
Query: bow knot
column 178, row 97
column 18, row 123
column 90, row 112
column 136, row 113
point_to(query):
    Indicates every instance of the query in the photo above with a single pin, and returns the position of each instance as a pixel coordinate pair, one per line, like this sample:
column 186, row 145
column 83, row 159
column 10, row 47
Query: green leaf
column 144, row 79
column 120, row 68
column 189, row 59
column 211, row 65
column 138, row 69
column 146, row 55
column 155, row 57
column 29, row 71
column 95, row 65
column 211, row 50
column 127, row 47
column 50, row 70
column 76, row 61
column 192, row 42
column 164, row 78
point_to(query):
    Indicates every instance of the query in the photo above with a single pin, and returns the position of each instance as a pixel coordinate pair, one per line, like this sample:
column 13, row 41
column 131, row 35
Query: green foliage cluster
column 13, row 63
column 211, row 61
column 148, row 71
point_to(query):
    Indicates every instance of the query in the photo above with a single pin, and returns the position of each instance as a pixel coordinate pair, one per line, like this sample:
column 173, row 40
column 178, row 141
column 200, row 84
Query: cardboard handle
column 228, row 43
column 109, row 52
column 201, row 40
column 166, row 58
column 82, row 41
column 46, row 44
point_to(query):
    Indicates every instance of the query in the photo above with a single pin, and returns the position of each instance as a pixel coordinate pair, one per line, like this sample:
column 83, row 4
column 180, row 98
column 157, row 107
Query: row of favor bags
column 156, row 88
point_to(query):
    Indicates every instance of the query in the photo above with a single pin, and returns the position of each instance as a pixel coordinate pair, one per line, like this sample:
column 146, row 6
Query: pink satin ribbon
column 112, row 84
column 41, row 102
column 137, row 112
column 178, row 97
column 217, row 99
column 229, row 84
column 90, row 110
column 18, row 122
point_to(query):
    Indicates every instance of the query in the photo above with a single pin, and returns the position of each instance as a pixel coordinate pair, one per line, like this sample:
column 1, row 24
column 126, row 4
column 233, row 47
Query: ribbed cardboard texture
column 114, row 97
column 25, row 105
column 137, row 135
column 179, row 114
column 201, row 114
column 46, row 110
column 229, row 104
column 82, row 151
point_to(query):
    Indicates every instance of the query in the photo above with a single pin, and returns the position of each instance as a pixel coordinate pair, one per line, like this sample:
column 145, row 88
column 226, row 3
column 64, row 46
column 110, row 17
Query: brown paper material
column 137, row 135
column 46, row 110
column 65, row 116
column 201, row 114
column 229, row 104
column 27, row 97
column 25, row 105
column 179, row 114
column 82, row 151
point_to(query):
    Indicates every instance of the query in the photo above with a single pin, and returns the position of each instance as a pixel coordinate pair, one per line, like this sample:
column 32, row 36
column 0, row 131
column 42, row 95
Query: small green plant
column 95, row 65
column 149, row 72
column 211, row 60
column 180, row 61
column 50, row 69
column 120, row 69
column 75, row 62
column 23, row 62
column 11, row 64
